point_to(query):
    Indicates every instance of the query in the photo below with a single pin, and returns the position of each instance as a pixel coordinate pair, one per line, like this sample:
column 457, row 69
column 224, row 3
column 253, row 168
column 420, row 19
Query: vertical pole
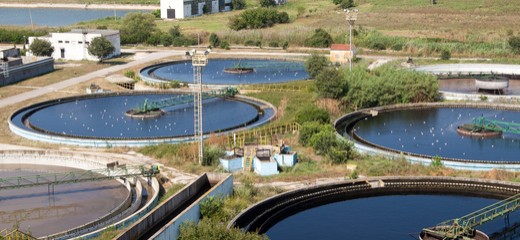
column 350, row 48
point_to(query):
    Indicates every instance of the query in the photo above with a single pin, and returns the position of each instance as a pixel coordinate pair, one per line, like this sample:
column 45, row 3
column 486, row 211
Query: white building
column 180, row 9
column 73, row 45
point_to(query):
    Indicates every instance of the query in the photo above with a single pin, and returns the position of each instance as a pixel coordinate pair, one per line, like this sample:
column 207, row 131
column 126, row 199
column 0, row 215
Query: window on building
column 87, row 42
column 59, row 41
column 80, row 42
column 67, row 41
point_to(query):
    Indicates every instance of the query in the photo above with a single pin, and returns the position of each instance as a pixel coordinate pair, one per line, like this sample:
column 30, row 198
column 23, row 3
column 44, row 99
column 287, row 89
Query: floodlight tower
column 198, row 60
column 351, row 18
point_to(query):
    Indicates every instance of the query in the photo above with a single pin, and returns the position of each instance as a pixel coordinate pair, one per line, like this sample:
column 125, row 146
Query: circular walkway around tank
column 100, row 121
column 265, row 71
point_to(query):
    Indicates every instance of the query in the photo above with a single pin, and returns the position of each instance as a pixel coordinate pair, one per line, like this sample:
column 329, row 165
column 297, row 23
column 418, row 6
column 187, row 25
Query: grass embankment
column 415, row 28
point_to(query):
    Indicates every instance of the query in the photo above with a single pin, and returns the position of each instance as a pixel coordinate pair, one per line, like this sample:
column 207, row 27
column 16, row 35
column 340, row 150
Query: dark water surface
column 266, row 71
column 104, row 117
column 381, row 218
column 434, row 132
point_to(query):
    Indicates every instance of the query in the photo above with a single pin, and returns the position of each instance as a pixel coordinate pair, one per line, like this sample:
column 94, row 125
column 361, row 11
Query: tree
column 344, row 4
column 214, row 41
column 315, row 64
column 257, row 18
column 100, row 47
column 175, row 31
column 514, row 43
column 238, row 4
column 267, row 3
column 40, row 47
column 331, row 84
column 137, row 27
column 312, row 114
column 320, row 38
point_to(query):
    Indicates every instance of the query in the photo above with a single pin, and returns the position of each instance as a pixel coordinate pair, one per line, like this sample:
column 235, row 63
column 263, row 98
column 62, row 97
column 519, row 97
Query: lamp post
column 198, row 60
column 351, row 18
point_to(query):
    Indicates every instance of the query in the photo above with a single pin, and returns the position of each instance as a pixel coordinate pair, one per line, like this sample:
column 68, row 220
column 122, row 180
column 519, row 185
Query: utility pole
column 351, row 18
column 198, row 60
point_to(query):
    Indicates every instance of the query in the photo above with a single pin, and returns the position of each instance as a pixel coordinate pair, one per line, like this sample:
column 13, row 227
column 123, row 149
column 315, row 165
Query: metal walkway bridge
column 52, row 179
column 480, row 123
column 148, row 106
column 464, row 227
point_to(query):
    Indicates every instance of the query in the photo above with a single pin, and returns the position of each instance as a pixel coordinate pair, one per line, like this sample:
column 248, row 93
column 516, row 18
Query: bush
column 154, row 39
column 273, row 44
column 320, row 38
column 238, row 4
column 312, row 114
column 19, row 36
column 445, row 54
column 211, row 207
column 514, row 43
column 166, row 40
column 257, row 18
column 137, row 28
column 211, row 155
column 41, row 47
column 130, row 74
column 224, row 45
column 214, row 41
column 285, row 45
column 253, row 43
column 211, row 229
column 309, row 129
column 156, row 13
column 330, row 83
column 267, row 3
column 315, row 64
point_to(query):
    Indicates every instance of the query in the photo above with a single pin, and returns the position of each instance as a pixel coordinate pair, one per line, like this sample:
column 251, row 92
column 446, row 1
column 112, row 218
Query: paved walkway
column 73, row 81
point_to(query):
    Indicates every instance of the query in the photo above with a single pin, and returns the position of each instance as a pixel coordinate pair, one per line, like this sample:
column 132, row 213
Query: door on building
column 62, row 52
column 170, row 13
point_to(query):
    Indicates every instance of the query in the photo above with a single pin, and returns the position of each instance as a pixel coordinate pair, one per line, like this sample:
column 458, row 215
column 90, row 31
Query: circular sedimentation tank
column 104, row 119
column 383, row 208
column 426, row 130
column 226, row 72
column 67, row 206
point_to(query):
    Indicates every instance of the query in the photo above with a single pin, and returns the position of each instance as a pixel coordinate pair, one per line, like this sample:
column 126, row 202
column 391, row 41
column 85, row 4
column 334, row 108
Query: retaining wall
column 32, row 69
column 261, row 216
column 223, row 187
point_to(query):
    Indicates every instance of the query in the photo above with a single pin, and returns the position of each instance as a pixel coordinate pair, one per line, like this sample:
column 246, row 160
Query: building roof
column 95, row 31
column 340, row 47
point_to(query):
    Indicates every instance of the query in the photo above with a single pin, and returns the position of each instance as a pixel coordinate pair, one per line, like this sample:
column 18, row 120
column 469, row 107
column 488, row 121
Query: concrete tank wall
column 25, row 71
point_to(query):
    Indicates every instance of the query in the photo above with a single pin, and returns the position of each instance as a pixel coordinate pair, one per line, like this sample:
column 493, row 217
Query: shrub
column 211, row 229
column 224, row 45
column 312, row 114
column 137, row 27
column 253, row 43
column 514, row 43
column 130, row 74
column 166, row 40
column 267, row 3
column 309, row 129
column 273, row 44
column 211, row 206
column 285, row 45
column 320, row 38
column 19, row 36
column 41, row 47
column 238, row 4
column 214, row 41
column 315, row 64
column 211, row 156
column 154, row 39
column 445, row 54
column 258, row 18
column 330, row 83
column 156, row 13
